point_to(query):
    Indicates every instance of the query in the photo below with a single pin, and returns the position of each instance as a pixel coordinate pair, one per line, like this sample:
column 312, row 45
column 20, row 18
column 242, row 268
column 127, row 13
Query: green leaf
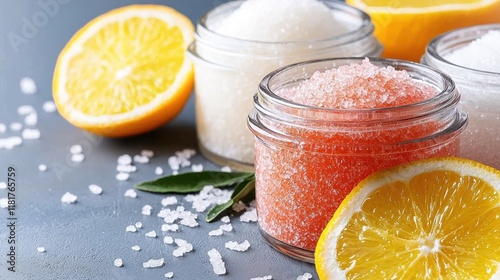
column 244, row 191
column 193, row 181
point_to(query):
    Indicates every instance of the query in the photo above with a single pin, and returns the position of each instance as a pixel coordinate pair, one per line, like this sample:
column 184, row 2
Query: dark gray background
column 83, row 239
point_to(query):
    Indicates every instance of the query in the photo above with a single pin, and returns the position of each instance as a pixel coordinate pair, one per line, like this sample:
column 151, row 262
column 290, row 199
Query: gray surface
column 83, row 239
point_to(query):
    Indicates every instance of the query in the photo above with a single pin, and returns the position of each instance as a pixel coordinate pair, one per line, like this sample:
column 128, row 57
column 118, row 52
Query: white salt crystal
column 77, row 157
column 151, row 234
column 49, row 106
column 225, row 219
column 158, row 170
column 124, row 159
column 216, row 232
column 174, row 163
column 189, row 222
column 141, row 159
column 68, row 198
column 76, row 149
column 167, row 227
column 147, row 153
column 95, row 189
column 226, row 227
column 169, row 200
column 197, row 167
column 239, row 206
column 130, row 193
column 4, row 202
column 168, row 240
column 217, row 262
column 42, row 167
column 175, row 172
column 122, row 176
column 126, row 168
column 267, row 277
column 249, row 216
column 225, row 169
column 118, row 262
column 138, row 225
column 146, row 210
column 131, row 228
column 233, row 245
column 152, row 263
column 28, row 85
column 10, row 142
column 169, row 275
column 136, row 248
column 25, row 109
column 184, row 247
column 16, row 126
column 31, row 133
column 3, row 128
column 3, row 185
column 31, row 119
column 305, row 276
column 40, row 249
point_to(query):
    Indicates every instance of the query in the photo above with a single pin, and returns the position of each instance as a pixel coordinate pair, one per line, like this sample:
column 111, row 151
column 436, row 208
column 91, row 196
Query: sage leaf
column 190, row 182
column 244, row 191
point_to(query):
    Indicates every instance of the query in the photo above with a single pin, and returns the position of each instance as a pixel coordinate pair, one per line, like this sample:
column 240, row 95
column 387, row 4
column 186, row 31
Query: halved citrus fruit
column 405, row 27
column 431, row 219
column 126, row 71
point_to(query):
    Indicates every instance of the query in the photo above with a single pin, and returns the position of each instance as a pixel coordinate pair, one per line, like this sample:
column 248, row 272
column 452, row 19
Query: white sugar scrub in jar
column 237, row 43
column 471, row 56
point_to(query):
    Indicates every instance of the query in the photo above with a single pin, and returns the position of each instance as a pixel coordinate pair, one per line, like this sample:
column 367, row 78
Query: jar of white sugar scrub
column 239, row 42
column 471, row 56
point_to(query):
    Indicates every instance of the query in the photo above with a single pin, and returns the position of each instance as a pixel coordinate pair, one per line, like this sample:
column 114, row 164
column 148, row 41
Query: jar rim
column 464, row 35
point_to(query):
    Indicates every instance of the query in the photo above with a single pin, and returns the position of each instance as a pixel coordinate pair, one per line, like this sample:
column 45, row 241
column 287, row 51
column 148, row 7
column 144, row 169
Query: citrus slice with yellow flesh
column 405, row 27
column 126, row 71
column 431, row 219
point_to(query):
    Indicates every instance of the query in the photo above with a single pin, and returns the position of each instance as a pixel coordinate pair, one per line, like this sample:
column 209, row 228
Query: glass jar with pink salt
column 239, row 42
column 471, row 56
column 322, row 126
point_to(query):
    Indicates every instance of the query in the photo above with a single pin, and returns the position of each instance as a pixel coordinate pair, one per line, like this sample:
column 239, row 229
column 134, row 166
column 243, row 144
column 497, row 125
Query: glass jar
column 307, row 159
column 228, row 71
column 480, row 92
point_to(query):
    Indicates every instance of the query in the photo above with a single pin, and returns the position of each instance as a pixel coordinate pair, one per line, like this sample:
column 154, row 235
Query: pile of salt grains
column 173, row 213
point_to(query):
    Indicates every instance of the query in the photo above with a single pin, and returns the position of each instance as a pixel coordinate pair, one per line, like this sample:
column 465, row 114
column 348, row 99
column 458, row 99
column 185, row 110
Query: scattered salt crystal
column 174, row 163
column 167, row 227
column 31, row 119
column 3, row 185
column 175, row 172
column 118, row 262
column 4, row 202
column 130, row 193
column 233, row 245
column 249, row 216
column 168, row 240
column 95, row 189
column 305, row 276
column 77, row 157
column 136, row 248
column 25, row 109
column 141, row 159
column 226, row 227
column 225, row 169
column 28, row 85
column 126, row 168
column 208, row 196
column 197, row 167
column 42, row 167
column 3, row 128
column 189, row 222
column 124, row 159
column 68, row 198
column 158, row 170
column 147, row 153
column 76, row 149
column 131, row 228
column 169, row 274
column 151, row 234
column 49, row 106
column 217, row 262
column 40, row 249
column 225, row 219
column 146, row 210
column 10, row 142
column 152, row 263
column 184, row 247
column 16, row 126
column 122, row 176
column 216, row 232
column 169, row 200
column 29, row 133
column 239, row 206
column 138, row 225
column 267, row 277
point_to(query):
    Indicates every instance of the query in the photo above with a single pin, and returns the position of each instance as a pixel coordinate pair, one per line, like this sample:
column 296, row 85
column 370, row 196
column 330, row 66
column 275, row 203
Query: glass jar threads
column 308, row 158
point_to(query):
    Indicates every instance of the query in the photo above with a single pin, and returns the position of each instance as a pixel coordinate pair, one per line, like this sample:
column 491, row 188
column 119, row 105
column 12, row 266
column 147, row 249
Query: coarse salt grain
column 168, row 227
column 216, row 232
column 151, row 234
column 31, row 119
column 4, row 202
column 25, row 109
column 158, row 170
column 27, row 85
column 239, row 206
column 305, row 276
column 49, row 106
column 146, row 210
column 95, row 189
column 69, row 198
column 168, row 240
column 30, row 133
column 122, row 176
column 16, row 126
column 267, row 277
column 130, row 193
column 225, row 219
column 76, row 149
column 141, row 159
column 40, row 249
column 208, row 196
column 234, row 246
column 42, row 167
column 126, row 168
column 118, row 262
column 3, row 128
column 138, row 225
column 226, row 227
column 169, row 200
column 197, row 167
column 183, row 247
column 77, row 157
column 130, row 228
column 124, row 159
column 3, row 185
column 154, row 263
column 169, row 275
column 10, row 142
column 135, row 248
column 249, row 216
column 218, row 264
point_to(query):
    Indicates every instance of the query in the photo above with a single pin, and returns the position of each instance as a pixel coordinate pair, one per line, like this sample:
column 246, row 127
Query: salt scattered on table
column 122, row 176
column 151, row 234
column 154, row 263
column 77, row 157
column 126, row 168
column 183, row 247
column 124, row 159
column 16, row 126
column 168, row 240
column 226, row 227
column 216, row 232
column 27, row 85
column 146, row 210
column 3, row 185
column 168, row 227
column 95, row 189
column 239, row 206
column 136, row 248
column 141, row 159
column 69, row 198
column 138, row 225
column 130, row 193
column 267, row 277
column 76, row 149
column 169, row 200
column 4, row 202
column 49, row 106
column 158, row 170
column 197, row 167
column 208, row 196
column 130, row 228
column 42, row 167
column 169, row 275
column 118, row 262
column 235, row 246
column 40, row 249
column 3, row 128
column 10, row 142
column 218, row 264
column 30, row 133
column 249, row 216
column 305, row 276
column 225, row 219
column 31, row 119
column 25, row 109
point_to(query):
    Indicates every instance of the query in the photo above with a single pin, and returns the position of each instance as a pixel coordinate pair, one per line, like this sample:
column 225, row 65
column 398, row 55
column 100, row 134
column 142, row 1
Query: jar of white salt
column 239, row 42
column 471, row 56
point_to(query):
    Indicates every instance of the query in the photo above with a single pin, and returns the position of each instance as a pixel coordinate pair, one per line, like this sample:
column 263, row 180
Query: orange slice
column 405, row 27
column 431, row 219
column 126, row 71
